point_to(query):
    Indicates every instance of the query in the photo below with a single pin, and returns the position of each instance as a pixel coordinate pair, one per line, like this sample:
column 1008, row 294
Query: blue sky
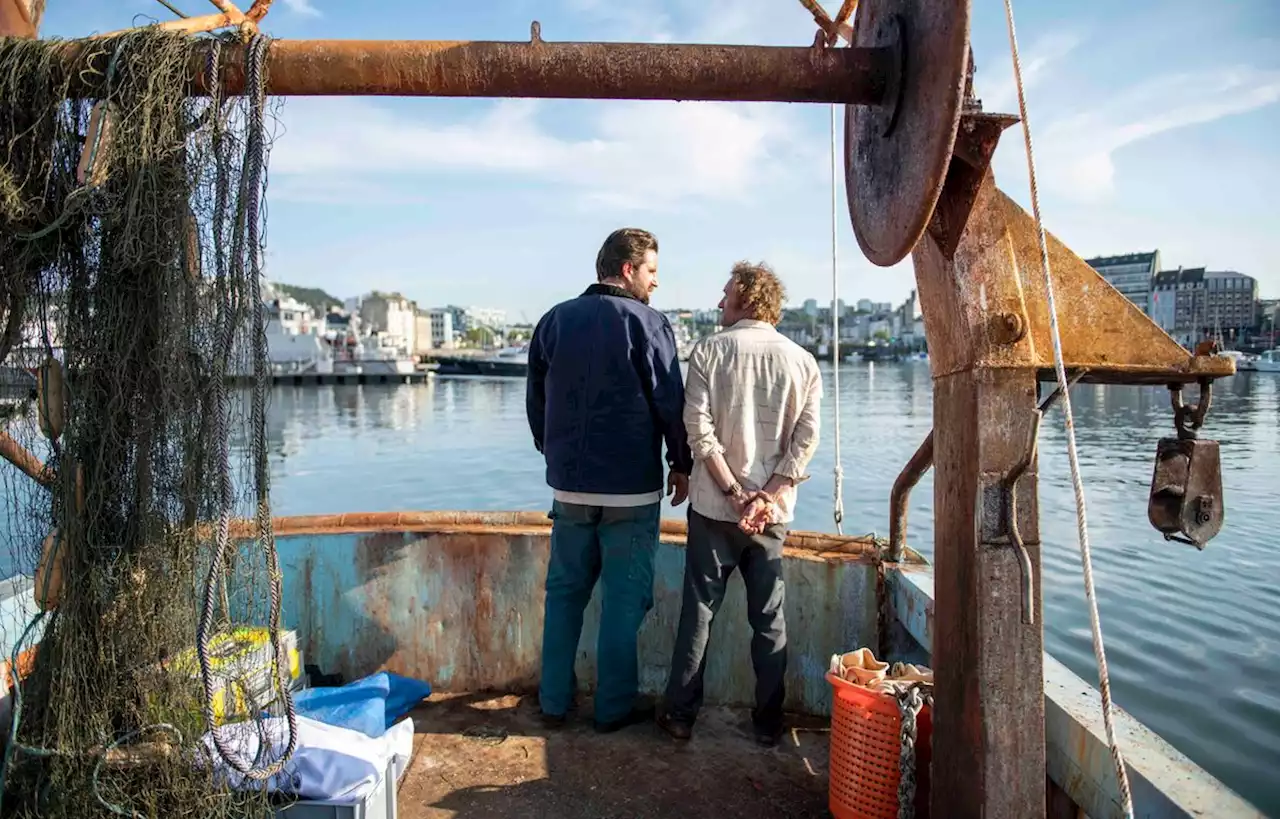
column 1155, row 123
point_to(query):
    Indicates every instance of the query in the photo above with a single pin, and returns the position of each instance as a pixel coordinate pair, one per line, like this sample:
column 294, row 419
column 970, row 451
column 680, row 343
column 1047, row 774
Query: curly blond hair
column 760, row 291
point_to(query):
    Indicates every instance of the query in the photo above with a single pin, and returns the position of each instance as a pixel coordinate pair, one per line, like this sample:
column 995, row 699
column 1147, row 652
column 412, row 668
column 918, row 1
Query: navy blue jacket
column 604, row 391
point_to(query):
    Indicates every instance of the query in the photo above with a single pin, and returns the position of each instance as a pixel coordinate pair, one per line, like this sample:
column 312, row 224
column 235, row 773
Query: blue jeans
column 615, row 545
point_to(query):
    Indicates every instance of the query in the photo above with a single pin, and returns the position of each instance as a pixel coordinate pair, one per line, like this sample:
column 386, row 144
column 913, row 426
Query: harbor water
column 1192, row 638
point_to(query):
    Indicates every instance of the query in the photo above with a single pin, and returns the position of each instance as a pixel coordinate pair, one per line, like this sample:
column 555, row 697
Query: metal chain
column 911, row 700
column 251, row 185
column 1188, row 420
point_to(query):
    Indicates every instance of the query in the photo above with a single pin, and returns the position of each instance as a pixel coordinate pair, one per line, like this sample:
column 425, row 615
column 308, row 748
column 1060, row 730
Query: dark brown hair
column 760, row 291
column 623, row 245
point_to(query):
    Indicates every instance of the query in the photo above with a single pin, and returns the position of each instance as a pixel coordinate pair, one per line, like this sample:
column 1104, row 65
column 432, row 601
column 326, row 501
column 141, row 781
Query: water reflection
column 1193, row 637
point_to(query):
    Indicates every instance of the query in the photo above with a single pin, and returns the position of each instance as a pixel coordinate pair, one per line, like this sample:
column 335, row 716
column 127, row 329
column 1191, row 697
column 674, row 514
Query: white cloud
column 641, row 20
column 302, row 7
column 1002, row 95
column 1075, row 154
column 634, row 153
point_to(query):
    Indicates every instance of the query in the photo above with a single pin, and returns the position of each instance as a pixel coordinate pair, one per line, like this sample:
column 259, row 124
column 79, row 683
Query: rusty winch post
column 982, row 290
column 1186, row 502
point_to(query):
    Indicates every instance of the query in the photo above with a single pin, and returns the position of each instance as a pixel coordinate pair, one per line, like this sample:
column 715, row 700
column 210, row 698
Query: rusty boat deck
column 488, row 755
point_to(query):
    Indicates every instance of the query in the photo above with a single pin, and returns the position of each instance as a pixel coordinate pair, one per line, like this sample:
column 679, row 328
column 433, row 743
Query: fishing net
column 130, row 247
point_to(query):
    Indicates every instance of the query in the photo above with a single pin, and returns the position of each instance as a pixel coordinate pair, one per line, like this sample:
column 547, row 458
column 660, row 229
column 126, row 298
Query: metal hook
column 1011, row 520
column 1182, row 414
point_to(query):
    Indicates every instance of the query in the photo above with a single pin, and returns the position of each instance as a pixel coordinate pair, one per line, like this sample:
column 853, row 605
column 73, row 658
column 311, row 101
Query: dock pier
column 332, row 379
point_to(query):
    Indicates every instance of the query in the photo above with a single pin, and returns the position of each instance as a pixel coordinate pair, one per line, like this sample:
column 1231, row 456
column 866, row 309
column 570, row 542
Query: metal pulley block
column 1186, row 502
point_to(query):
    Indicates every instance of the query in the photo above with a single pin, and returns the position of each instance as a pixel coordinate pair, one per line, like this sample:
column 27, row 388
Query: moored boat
column 509, row 362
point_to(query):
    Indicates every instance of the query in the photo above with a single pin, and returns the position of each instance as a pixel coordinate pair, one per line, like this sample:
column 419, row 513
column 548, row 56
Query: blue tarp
column 370, row 705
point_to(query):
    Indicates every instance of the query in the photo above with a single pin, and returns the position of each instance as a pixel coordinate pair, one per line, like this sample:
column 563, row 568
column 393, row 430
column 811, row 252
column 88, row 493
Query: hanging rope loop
column 837, row 511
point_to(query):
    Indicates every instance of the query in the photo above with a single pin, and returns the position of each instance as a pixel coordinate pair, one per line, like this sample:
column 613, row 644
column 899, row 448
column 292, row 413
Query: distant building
column 1268, row 319
column 811, row 307
column 1131, row 274
column 905, row 318
column 393, row 318
column 441, row 328
column 422, row 342
column 1191, row 303
column 466, row 319
column 1231, row 304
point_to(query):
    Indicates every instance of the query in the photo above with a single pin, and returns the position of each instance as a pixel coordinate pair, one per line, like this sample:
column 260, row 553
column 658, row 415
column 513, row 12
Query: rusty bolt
column 1009, row 328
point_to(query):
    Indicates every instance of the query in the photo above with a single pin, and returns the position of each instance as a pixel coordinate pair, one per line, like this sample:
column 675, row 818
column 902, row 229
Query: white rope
column 838, row 510
column 1104, row 682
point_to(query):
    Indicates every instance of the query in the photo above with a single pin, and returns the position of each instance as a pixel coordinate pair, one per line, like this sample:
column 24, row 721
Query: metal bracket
column 1009, row 487
column 1184, row 415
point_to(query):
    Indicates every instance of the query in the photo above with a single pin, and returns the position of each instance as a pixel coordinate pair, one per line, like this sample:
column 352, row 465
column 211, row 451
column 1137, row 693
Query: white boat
column 1267, row 362
column 300, row 342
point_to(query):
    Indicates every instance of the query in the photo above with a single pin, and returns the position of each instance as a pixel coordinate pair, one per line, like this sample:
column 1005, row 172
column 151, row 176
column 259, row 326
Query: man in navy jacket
column 604, row 393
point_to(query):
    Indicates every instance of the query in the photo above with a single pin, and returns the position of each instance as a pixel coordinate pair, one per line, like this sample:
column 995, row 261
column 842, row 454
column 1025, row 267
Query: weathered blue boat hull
column 456, row 599
column 462, row 608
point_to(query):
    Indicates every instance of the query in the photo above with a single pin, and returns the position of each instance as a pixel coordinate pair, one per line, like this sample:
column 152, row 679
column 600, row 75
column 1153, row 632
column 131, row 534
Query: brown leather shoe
column 676, row 728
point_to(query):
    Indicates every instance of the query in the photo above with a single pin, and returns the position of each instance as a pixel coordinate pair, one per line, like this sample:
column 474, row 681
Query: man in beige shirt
column 751, row 412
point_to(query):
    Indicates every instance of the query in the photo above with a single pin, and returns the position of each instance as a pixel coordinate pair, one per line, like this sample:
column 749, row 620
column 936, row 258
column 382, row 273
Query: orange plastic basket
column 866, row 746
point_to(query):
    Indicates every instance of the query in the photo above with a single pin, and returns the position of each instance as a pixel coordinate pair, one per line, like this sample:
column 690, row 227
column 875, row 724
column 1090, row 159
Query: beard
column 639, row 292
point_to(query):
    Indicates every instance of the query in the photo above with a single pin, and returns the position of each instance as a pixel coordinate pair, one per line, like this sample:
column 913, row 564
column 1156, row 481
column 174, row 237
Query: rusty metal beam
column 911, row 474
column 21, row 457
column 537, row 69
column 565, row 70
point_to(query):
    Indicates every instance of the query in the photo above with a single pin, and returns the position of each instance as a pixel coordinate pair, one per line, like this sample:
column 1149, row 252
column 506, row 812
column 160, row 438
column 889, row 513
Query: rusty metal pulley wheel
column 897, row 153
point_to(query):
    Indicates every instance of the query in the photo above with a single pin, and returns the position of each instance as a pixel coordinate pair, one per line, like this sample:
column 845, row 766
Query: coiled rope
column 1077, row 484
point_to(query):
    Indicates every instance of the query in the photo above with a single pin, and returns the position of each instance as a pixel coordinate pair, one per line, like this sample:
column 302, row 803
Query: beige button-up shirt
column 753, row 395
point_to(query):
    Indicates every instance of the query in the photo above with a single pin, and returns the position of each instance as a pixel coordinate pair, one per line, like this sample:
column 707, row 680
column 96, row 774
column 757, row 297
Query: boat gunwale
column 800, row 543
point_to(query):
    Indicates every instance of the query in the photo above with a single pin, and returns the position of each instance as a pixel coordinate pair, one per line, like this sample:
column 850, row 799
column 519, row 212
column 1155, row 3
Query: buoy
column 92, row 168
column 51, row 398
column 50, row 572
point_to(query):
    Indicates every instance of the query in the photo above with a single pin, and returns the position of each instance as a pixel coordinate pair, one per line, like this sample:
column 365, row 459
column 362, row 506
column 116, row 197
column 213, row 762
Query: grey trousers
column 715, row 548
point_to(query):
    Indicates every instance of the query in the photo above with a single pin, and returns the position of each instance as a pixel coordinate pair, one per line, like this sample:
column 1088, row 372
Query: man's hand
column 757, row 513
column 677, row 487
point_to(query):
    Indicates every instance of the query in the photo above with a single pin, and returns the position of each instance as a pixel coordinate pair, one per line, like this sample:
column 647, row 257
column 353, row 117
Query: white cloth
column 752, row 395
column 596, row 499
column 330, row 764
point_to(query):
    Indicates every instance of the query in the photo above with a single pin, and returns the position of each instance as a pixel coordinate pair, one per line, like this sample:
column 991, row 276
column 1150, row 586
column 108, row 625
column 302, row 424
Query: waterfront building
column 1131, row 274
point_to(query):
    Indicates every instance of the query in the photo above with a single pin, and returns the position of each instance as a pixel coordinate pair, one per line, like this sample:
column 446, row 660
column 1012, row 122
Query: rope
column 253, row 179
column 1077, row 484
column 838, row 508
